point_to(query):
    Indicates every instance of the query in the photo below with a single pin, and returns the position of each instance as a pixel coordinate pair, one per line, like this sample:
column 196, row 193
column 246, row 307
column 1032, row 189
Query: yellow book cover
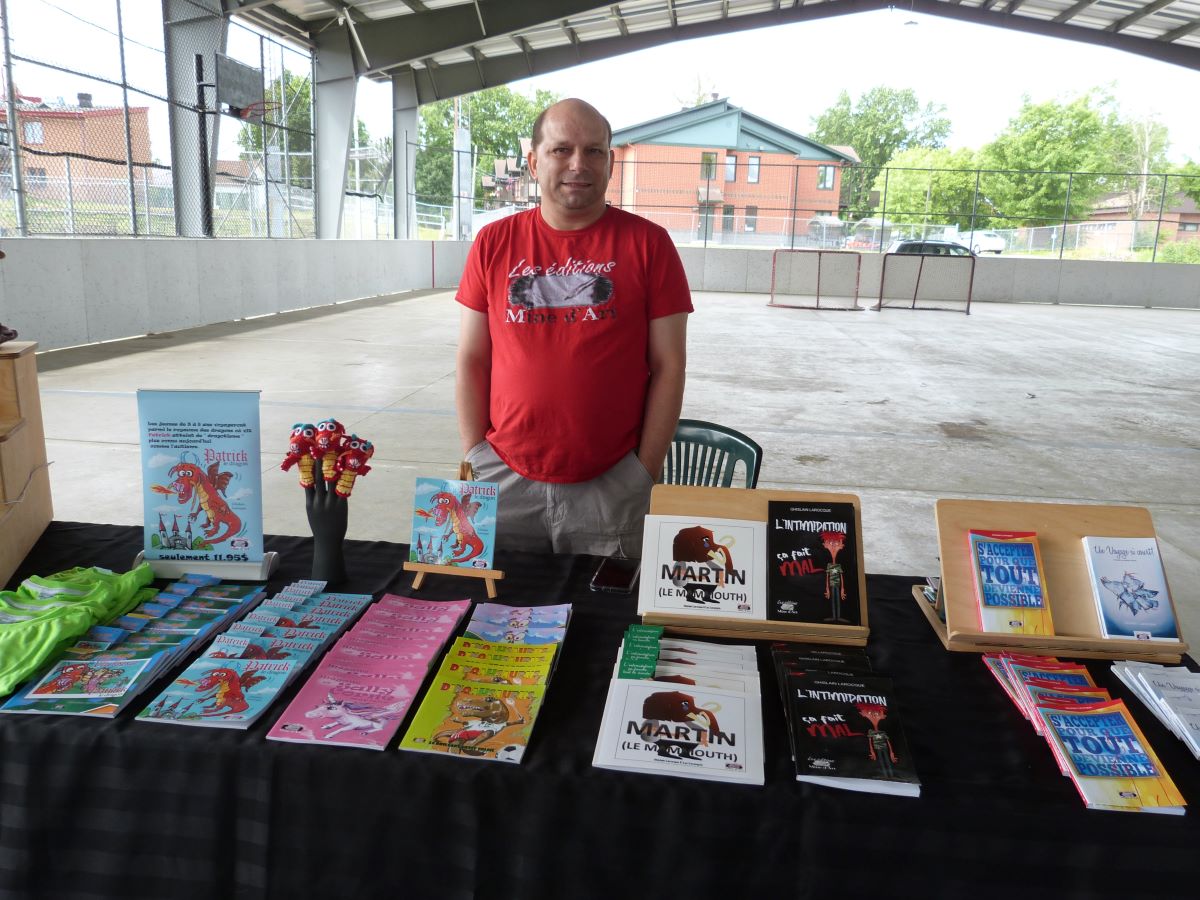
column 474, row 719
column 1109, row 759
column 1010, row 590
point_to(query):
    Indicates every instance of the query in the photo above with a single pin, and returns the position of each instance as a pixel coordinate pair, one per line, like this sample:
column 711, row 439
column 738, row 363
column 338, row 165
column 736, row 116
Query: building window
column 752, row 169
column 825, row 178
column 751, row 218
column 731, row 168
column 727, row 218
column 708, row 166
column 34, row 133
column 36, row 177
column 1189, row 226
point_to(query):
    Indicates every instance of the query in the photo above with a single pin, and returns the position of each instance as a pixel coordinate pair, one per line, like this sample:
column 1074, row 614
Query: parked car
column 982, row 241
column 930, row 248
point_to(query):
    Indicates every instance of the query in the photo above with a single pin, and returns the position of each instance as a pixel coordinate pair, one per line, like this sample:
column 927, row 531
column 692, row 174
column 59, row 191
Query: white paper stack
column 1172, row 693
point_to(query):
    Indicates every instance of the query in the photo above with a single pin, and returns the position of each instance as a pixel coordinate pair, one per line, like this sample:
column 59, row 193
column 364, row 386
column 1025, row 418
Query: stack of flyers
column 1094, row 739
column 243, row 670
column 1172, row 693
column 684, row 708
column 485, row 697
column 111, row 664
column 362, row 689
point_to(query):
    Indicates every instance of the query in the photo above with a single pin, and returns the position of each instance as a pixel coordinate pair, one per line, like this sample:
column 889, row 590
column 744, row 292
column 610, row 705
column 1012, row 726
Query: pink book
column 344, row 711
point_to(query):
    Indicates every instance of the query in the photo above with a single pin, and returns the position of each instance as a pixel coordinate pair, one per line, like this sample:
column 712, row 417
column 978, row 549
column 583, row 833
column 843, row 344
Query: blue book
column 454, row 523
column 221, row 693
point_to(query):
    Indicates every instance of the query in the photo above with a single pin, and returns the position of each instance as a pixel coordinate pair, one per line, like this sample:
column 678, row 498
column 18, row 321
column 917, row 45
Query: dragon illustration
column 228, row 690
column 203, row 490
column 1131, row 592
column 455, row 516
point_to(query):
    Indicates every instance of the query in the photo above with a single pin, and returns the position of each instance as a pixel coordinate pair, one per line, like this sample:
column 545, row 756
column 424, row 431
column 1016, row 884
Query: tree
column 1139, row 146
column 289, row 103
column 499, row 117
column 703, row 91
column 1045, row 160
column 883, row 122
column 931, row 186
column 1189, row 180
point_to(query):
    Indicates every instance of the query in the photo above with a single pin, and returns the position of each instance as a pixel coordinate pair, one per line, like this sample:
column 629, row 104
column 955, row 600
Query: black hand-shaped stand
column 328, row 515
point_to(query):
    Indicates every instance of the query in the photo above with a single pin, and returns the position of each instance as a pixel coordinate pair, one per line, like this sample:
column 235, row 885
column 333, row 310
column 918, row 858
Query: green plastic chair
column 704, row 453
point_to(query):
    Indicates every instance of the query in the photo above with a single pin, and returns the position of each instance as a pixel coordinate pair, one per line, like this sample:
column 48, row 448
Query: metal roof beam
column 1138, row 15
column 394, row 42
column 1068, row 14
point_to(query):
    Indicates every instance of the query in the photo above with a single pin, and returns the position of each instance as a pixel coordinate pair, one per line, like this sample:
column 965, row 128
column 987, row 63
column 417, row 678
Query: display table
column 129, row 809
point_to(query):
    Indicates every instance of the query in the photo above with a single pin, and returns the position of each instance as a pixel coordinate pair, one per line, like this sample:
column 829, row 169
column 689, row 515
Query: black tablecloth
column 93, row 808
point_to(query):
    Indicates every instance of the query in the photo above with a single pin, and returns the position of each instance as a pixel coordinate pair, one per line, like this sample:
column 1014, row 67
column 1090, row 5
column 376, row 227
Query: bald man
column 571, row 352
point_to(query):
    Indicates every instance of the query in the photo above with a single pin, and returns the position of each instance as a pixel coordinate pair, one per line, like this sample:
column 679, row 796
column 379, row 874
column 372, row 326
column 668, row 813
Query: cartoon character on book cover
column 473, row 719
column 812, row 563
column 678, row 727
column 703, row 571
column 454, row 523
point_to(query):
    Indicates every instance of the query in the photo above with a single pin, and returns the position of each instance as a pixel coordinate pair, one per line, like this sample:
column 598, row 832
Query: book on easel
column 724, row 554
column 1060, row 529
column 1010, row 584
column 454, row 529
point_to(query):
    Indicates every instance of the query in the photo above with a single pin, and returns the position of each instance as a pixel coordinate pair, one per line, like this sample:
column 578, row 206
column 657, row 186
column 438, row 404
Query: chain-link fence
column 87, row 121
column 814, row 205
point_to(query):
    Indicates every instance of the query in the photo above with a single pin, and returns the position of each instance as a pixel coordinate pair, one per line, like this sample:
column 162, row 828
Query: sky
column 790, row 74
column 787, row 74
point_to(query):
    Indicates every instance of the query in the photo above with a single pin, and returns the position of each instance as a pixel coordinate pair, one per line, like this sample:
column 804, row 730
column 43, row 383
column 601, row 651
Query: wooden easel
column 1060, row 528
column 489, row 576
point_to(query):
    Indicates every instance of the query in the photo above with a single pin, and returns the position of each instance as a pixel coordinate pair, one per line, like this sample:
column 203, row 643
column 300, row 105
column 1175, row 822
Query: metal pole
column 1062, row 244
column 14, row 139
column 262, row 67
column 795, row 195
column 883, row 209
column 70, row 199
column 146, row 203
column 128, row 138
column 1162, row 203
column 202, row 112
column 975, row 202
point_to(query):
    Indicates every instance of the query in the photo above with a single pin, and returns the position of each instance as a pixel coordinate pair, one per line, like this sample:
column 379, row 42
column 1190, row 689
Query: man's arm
column 664, row 396
column 472, row 387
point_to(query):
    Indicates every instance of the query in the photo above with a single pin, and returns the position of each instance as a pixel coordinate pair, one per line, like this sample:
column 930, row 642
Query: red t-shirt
column 569, row 314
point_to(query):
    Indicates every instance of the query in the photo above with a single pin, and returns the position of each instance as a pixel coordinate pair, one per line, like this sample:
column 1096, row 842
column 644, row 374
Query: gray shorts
column 604, row 516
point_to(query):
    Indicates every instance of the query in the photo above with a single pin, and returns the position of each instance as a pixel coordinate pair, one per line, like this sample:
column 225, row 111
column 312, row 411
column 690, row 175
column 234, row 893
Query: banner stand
column 251, row 570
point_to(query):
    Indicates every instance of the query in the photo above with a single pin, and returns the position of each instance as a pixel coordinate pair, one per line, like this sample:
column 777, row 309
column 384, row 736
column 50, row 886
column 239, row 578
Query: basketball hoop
column 256, row 113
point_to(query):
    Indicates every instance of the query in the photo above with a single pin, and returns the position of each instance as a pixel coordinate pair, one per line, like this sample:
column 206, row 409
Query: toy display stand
column 741, row 503
column 251, row 570
column 1060, row 529
column 489, row 576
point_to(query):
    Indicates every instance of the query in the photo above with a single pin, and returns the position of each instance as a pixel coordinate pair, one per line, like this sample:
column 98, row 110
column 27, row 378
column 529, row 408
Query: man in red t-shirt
column 571, row 351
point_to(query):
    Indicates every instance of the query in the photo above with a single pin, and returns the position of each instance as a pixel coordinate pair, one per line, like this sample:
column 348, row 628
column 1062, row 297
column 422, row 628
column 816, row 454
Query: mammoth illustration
column 698, row 545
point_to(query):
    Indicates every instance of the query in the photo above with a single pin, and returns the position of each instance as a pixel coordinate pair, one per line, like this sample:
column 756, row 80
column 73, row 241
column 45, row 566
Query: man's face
column 572, row 165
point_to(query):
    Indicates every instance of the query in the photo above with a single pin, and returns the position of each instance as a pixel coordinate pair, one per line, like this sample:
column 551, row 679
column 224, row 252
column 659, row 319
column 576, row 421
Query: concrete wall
column 62, row 292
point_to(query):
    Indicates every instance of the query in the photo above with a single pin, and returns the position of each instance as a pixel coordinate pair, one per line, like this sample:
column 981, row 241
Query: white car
column 982, row 241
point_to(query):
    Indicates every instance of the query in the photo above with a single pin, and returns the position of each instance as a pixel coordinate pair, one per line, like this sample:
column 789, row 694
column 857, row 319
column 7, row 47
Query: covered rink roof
column 453, row 47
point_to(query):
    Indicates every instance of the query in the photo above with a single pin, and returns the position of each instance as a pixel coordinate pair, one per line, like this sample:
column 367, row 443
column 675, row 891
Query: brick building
column 717, row 173
column 80, row 146
column 1180, row 218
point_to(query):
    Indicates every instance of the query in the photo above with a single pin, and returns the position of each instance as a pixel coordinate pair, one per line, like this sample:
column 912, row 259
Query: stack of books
column 110, row 665
column 244, row 670
column 486, row 695
column 842, row 721
column 362, row 689
column 1095, row 740
column 1172, row 693
column 683, row 708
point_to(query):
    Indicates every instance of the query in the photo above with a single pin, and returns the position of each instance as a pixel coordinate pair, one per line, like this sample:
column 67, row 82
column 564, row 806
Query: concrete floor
column 1015, row 401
